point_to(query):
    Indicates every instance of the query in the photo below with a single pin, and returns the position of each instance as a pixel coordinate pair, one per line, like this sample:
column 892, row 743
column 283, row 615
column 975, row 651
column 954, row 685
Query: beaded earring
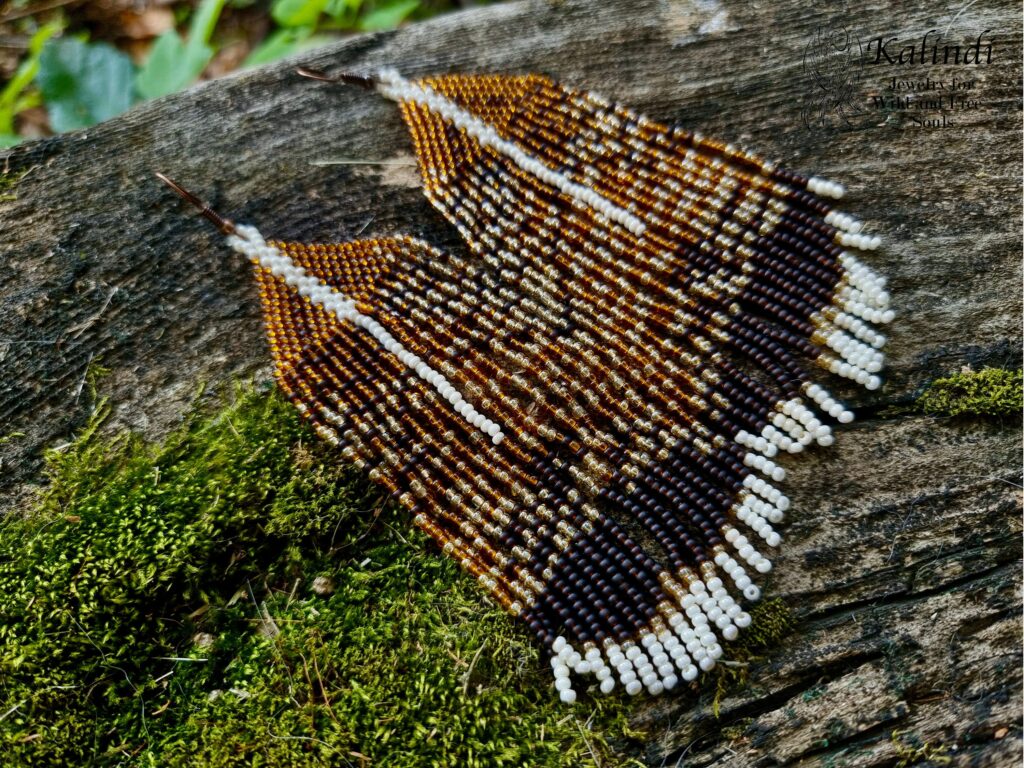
column 583, row 409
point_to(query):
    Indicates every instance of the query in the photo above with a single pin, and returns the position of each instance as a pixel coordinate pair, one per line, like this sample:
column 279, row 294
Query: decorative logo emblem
column 834, row 61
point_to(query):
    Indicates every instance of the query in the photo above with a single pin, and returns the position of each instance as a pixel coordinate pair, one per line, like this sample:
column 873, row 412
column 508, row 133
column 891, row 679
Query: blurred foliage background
column 68, row 64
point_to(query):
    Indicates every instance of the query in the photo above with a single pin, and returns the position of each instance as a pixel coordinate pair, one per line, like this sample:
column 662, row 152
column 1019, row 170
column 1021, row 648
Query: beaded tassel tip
column 585, row 408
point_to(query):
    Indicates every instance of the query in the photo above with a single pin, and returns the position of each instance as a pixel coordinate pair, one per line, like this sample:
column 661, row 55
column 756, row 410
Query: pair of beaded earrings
column 583, row 408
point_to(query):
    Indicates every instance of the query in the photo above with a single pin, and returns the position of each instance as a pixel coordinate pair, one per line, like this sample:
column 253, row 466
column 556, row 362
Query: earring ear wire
column 345, row 78
column 226, row 226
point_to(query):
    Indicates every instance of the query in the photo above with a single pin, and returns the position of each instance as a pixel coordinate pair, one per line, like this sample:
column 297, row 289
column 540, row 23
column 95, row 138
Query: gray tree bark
column 901, row 557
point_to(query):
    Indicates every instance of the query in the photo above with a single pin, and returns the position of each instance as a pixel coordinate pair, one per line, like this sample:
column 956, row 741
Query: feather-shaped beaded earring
column 584, row 409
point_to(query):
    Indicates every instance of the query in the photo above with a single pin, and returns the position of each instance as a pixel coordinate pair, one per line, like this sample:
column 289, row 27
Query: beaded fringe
column 583, row 410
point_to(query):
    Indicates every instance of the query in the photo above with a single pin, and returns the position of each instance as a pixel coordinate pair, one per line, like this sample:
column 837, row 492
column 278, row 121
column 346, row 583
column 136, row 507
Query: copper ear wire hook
column 345, row 78
column 224, row 225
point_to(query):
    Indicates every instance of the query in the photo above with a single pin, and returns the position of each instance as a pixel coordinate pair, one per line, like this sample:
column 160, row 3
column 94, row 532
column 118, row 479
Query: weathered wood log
column 901, row 560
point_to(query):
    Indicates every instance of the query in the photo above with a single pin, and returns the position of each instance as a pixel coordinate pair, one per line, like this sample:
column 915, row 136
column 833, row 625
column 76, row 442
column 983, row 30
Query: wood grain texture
column 902, row 555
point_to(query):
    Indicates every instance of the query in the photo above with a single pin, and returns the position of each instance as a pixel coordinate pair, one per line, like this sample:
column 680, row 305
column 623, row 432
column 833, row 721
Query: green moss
column 770, row 621
column 910, row 750
column 8, row 181
column 836, row 730
column 988, row 392
column 736, row 730
column 158, row 609
column 814, row 693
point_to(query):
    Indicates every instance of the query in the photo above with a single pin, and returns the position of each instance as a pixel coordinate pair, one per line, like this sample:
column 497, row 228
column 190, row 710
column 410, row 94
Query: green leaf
column 83, row 83
column 283, row 42
column 171, row 66
column 12, row 98
column 174, row 64
column 297, row 13
column 337, row 9
column 200, row 29
column 387, row 15
column 8, row 140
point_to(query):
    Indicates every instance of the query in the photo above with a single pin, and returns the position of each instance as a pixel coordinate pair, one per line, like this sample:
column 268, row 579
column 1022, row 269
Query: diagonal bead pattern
column 586, row 407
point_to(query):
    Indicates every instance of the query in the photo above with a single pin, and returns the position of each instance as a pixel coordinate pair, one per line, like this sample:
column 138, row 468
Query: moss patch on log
column 770, row 621
column 988, row 392
column 910, row 751
column 8, row 181
column 162, row 606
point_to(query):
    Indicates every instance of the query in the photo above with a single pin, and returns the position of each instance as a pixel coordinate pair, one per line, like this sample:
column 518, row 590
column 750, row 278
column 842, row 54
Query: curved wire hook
column 345, row 78
column 226, row 226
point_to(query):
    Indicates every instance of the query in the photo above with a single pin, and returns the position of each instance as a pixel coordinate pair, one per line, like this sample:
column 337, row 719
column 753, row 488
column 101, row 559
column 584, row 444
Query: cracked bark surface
column 901, row 557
